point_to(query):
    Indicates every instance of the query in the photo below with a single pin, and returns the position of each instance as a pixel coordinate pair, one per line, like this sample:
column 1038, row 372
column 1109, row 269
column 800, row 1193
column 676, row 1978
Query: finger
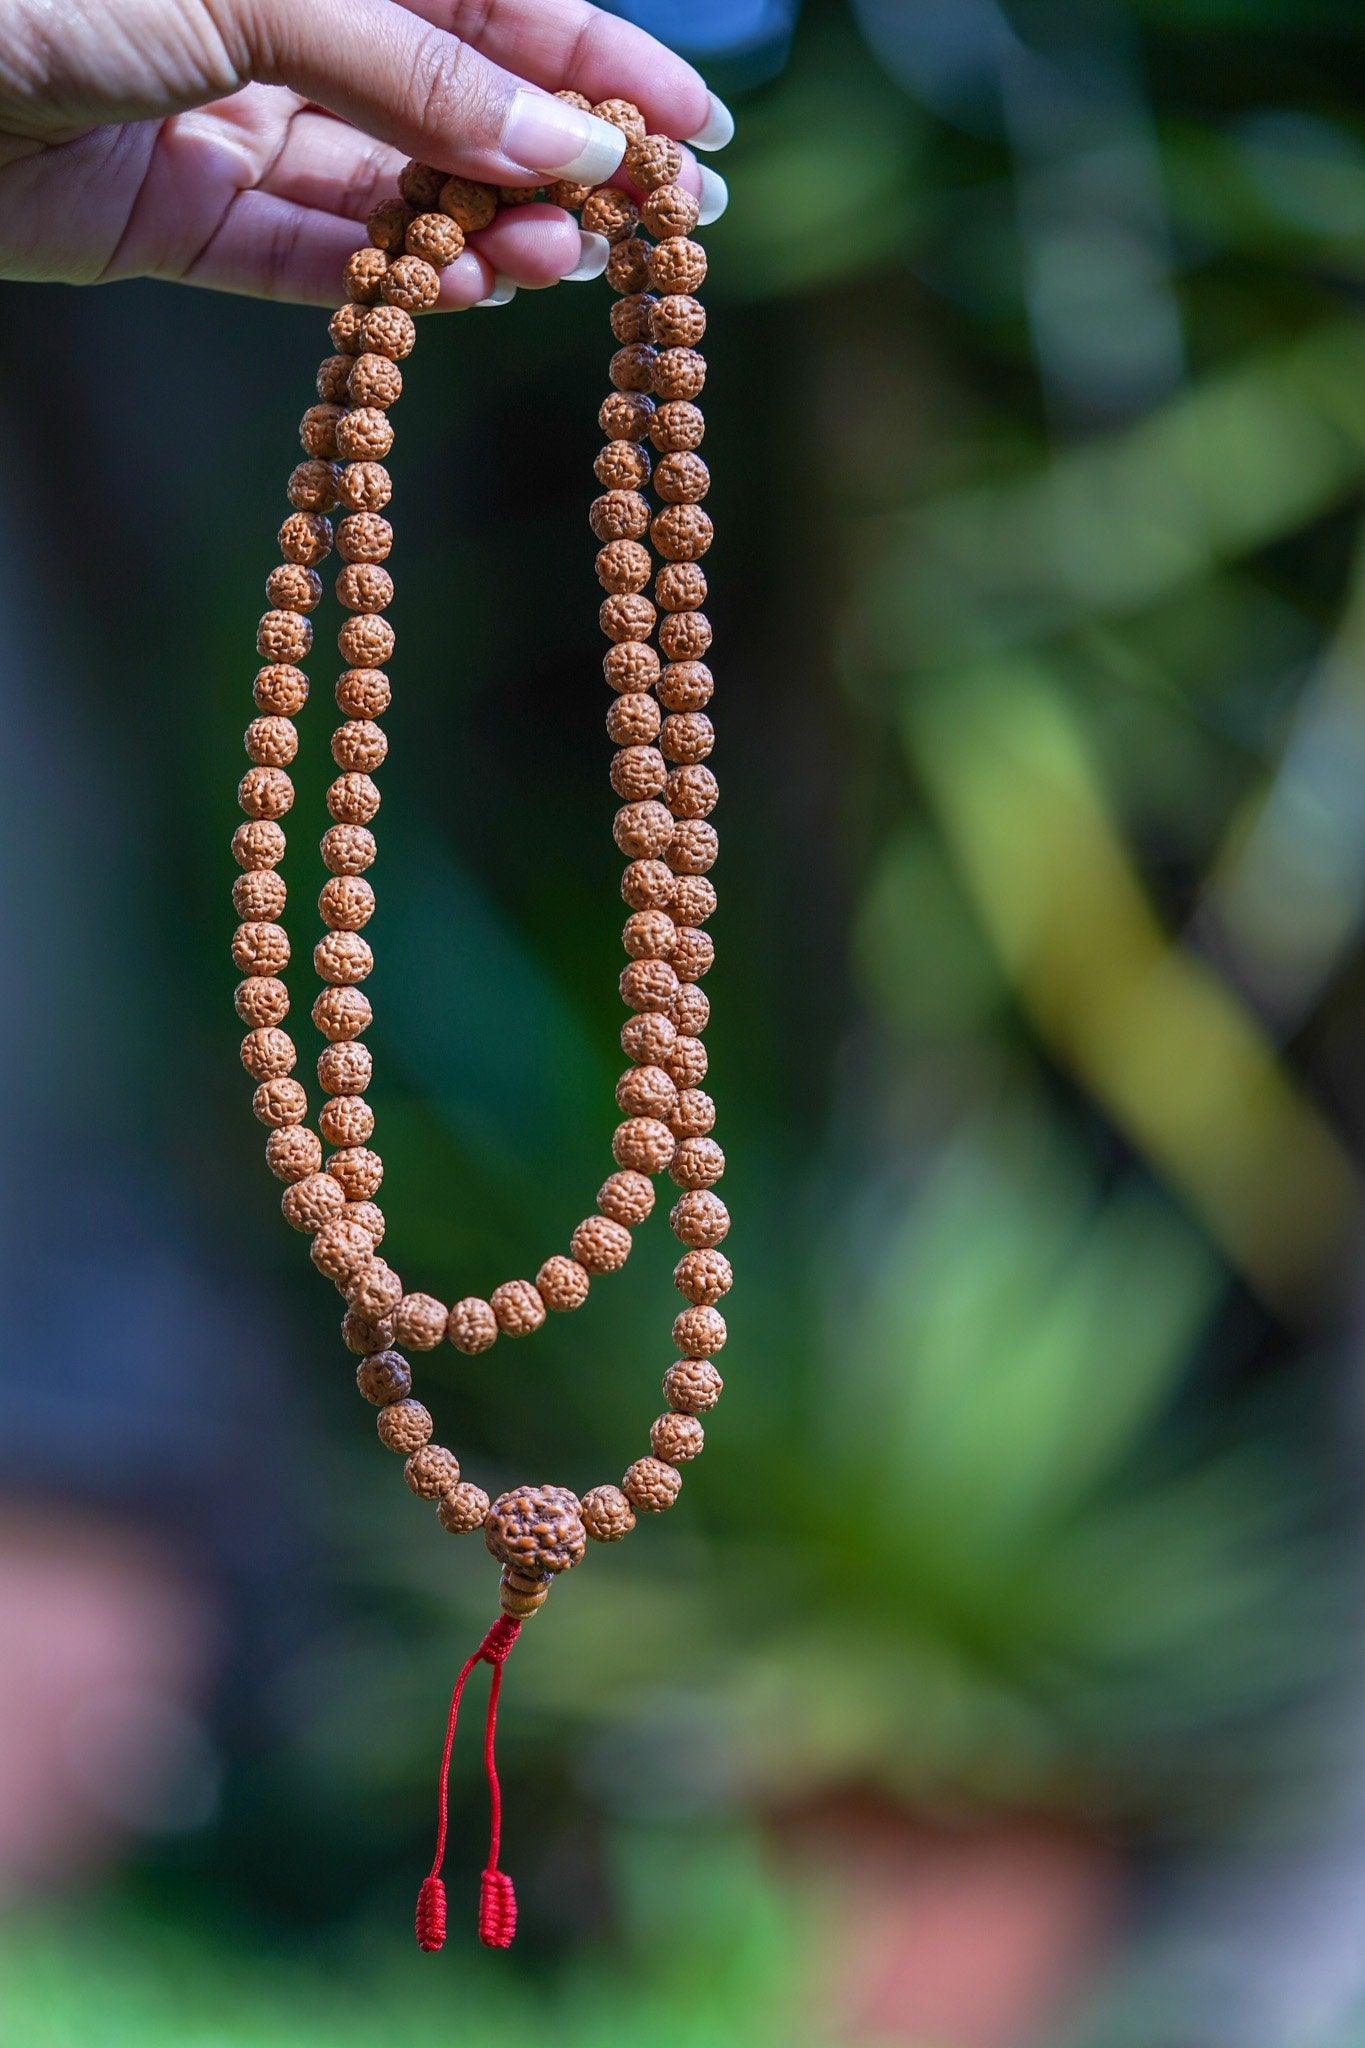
column 707, row 187
column 567, row 43
column 327, row 165
column 538, row 245
column 409, row 83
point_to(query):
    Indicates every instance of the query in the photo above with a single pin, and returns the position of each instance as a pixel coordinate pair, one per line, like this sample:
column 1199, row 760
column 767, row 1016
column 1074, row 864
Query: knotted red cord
column 497, row 1899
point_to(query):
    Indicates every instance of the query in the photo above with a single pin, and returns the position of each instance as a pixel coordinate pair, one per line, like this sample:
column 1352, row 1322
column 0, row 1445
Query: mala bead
column 643, row 1143
column 370, row 1217
column 415, row 285
column 344, row 328
column 387, row 224
column 694, row 1113
column 353, row 799
column 691, row 1011
column 342, row 1013
column 342, row 957
column 692, row 1386
column 632, row 367
column 435, row 238
column 638, row 772
column 693, row 899
column 628, row 266
column 359, row 746
column 330, row 383
column 292, row 588
column 364, row 486
column 650, row 1485
column 293, row 1152
column 677, row 265
column 420, row 1322
column 685, row 636
column 679, row 321
column 374, row 381
column 348, row 1120
column 699, row 1219
column 384, row 1377
column 276, row 1103
column 358, row 1335
column 703, row 1276
column 686, row 685
column 687, row 736
column 267, row 1053
column 318, row 431
column 622, row 114
column 366, row 641
column 649, row 985
column 462, row 1508
column 568, row 194
column 633, row 720
column 694, row 955
column 340, row 1249
column 305, row 537
column 676, row 425
column 647, row 884
column 283, row 636
column 610, row 212
column 682, row 533
column 699, row 1332
column 646, row 1091
column 265, row 793
column 346, row 903
column 517, row 1307
column 681, row 586
column 622, row 416
column 627, row 616
column 404, row 1426
column 470, row 206
column 692, row 846
column 312, row 486
column 309, row 1203
column 421, row 185
column 600, row 1245
column 363, row 692
column 364, row 274
column 536, row 1530
column 271, row 742
column 280, row 688
column 364, row 587
column 261, row 999
column 682, row 479
column 472, row 1325
column 643, row 831
column 260, row 948
column 619, row 515
column 431, row 1471
column 675, row 1438
column 623, row 466
column 632, row 318
column 364, row 537
column 348, row 849
column 361, row 1172
column 624, row 565
column 625, row 1197
column 679, row 373
column 670, row 210
column 606, row 1513
column 649, row 1038
column 652, row 161
column 649, row 935
column 365, row 435
column 374, row 1291
column 345, row 1068
column 631, row 667
column 562, row 1283
column 259, row 895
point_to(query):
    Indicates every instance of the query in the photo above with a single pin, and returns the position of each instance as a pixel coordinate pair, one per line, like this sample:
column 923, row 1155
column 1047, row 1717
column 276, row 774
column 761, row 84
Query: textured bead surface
column 600, row 1245
column 472, row 1325
column 431, row 1470
column 462, row 1508
column 562, row 1283
column 692, row 1386
column 646, row 1091
column 348, row 1120
column 404, row 1426
column 676, row 1437
column 358, row 1335
column 261, row 999
column 642, row 1143
column 699, row 1218
column 650, row 1485
column 649, row 1038
column 361, row 1172
column 607, row 1514
column 470, row 206
column 293, row 1152
column 517, row 1307
column 536, row 1529
column 420, row 1321
column 703, row 1276
column 384, row 1377
column 625, row 1197
column 309, row 1203
column 342, row 1013
column 414, row 284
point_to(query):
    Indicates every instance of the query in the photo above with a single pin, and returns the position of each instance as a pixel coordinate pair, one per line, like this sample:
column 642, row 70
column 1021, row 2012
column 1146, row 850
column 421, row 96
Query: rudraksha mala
column 662, row 736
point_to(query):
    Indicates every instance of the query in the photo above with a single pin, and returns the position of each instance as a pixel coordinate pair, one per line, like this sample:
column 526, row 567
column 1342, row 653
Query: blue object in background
column 750, row 37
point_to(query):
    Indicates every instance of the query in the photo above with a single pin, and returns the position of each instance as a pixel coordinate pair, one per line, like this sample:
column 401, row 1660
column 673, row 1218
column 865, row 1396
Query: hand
column 237, row 143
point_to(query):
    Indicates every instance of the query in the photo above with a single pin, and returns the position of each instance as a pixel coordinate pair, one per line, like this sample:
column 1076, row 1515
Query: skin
column 240, row 144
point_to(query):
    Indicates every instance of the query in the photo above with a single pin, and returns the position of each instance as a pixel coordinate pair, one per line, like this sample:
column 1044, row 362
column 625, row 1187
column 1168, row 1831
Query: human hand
column 237, row 143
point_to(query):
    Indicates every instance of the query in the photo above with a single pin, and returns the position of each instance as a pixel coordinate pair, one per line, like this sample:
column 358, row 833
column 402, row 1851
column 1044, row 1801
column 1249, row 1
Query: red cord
column 497, row 1899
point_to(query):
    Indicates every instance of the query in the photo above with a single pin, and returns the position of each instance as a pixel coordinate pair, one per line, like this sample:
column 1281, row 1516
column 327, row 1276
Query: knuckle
column 453, row 100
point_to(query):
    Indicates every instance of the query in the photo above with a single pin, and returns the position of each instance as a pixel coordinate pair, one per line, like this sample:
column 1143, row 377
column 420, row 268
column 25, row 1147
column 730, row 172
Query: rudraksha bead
column 697, row 1163
column 649, row 935
column 375, row 380
column 419, row 1321
column 364, row 274
column 309, row 1203
column 681, row 533
column 694, row 1113
column 651, row 161
column 600, row 1244
column 649, row 985
column 384, row 1377
column 619, row 515
column 293, row 1152
column 536, row 1529
column 358, row 1335
column 517, row 1307
column 611, row 213
column 305, row 537
column 699, row 1332
column 623, row 465
column 628, row 266
column 638, row 772
column 470, row 206
column 694, row 955
column 387, row 224
column 692, row 1386
column 318, row 431
column 259, row 896
column 625, row 1197
column 353, row 799
column 436, row 238
column 633, row 719
column 415, row 285
column 348, row 1120
column 699, row 1218
column 647, row 884
column 375, row 1291
column 631, row 666
column 370, row 1218
column 643, row 1143
column 650, row 1485
column 676, row 1437
column 704, row 1277
column 648, row 1038
column 293, row 588
column 675, row 425
column 681, row 586
column 261, row 999
column 679, row 321
column 643, row 831
column 260, row 948
column 364, row 537
column 342, row 1013
column 341, row 1248
column 421, row 185
column 366, row 641
column 622, row 114
column 276, row 1103
column 365, row 435
column 646, row 1091
column 268, row 1052
column 279, row 687
column 693, row 899
column 462, row 1508
column 361, row 1172
column 562, row 1283
column 472, row 1325
column 692, row 1010
column 344, row 329
column 686, row 736
column 669, row 209
column 272, row 742
column 312, row 486
column 607, row 1514
column 346, row 902
column 363, row 692
column 404, row 1426
column 623, row 565
column 431, row 1470
column 265, row 793
column 364, row 486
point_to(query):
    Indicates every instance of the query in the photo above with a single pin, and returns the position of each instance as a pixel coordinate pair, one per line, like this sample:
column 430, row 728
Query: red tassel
column 497, row 1899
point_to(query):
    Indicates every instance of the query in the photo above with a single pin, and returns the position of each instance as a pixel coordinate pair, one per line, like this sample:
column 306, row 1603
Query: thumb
column 433, row 96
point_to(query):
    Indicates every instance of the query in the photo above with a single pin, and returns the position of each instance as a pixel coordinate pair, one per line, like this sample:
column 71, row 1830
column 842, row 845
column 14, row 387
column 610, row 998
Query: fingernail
column 717, row 129
column 545, row 134
column 592, row 258
column 714, row 196
column 503, row 290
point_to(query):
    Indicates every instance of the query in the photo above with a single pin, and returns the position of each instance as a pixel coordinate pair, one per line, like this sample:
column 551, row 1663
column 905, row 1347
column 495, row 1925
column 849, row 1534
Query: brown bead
column 344, row 328
column 353, row 799
column 363, row 692
column 431, row 1471
column 365, row 587
column 260, row 948
column 305, row 537
column 348, row 849
column 600, row 1245
column 360, row 1171
column 309, row 1203
column 691, row 1011
column 343, row 957
column 364, row 486
column 643, row 831
column 610, row 212
column 679, row 373
column 626, row 616
column 318, row 431
column 345, row 1067
column 421, row 185
column 676, row 1438
column 312, row 487
column 472, row 1326
column 632, row 368
column 569, row 194
column 403, row 1426
column 649, row 985
column 293, row 1152
column 607, row 1514
column 562, row 1283
column 375, row 1290
column 346, row 903
column 517, row 1307
column 682, row 533
column 638, row 772
column 462, row 1508
column 624, row 416
column 676, row 425
column 471, row 206
column 646, row 1091
column 348, row 1120
column 693, row 899
column 370, row 1218
column 628, row 266
column 259, row 897
column 677, row 265
column 681, row 586
column 361, row 746
column 384, row 1377
column 420, row 1322
column 268, row 1052
column 358, row 1335
column 622, row 114
column 364, row 274
column 670, row 209
column 342, row 1013
column 366, row 641
column 687, row 737
column 435, row 238
column 684, row 638
column 699, row 1219
column 387, row 224
column 276, row 1103
column 647, row 884
column 625, row 1197
column 623, row 466
column 704, row 1277
column 364, row 537
column 414, row 284
column 686, row 1065
column 679, row 321
column 374, row 381
column 692, row 1386
column 292, row 588
column 631, row 666
column 341, row 1248
column 651, row 162
column 624, row 565
column 694, row 955
column 683, row 479
column 699, row 1332
column 520, row 195
column 271, row 742
column 633, row 720
column 686, row 685
column 650, row 1485
column 694, row 1113
column 648, row 1039
column 330, row 383
column 642, row 1143
column 649, row 935
column 693, row 846
column 632, row 317
column 536, row 1529
column 283, row 636
column 365, row 435
column 619, row 515
column 261, row 999
column 280, row 688
column 691, row 791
